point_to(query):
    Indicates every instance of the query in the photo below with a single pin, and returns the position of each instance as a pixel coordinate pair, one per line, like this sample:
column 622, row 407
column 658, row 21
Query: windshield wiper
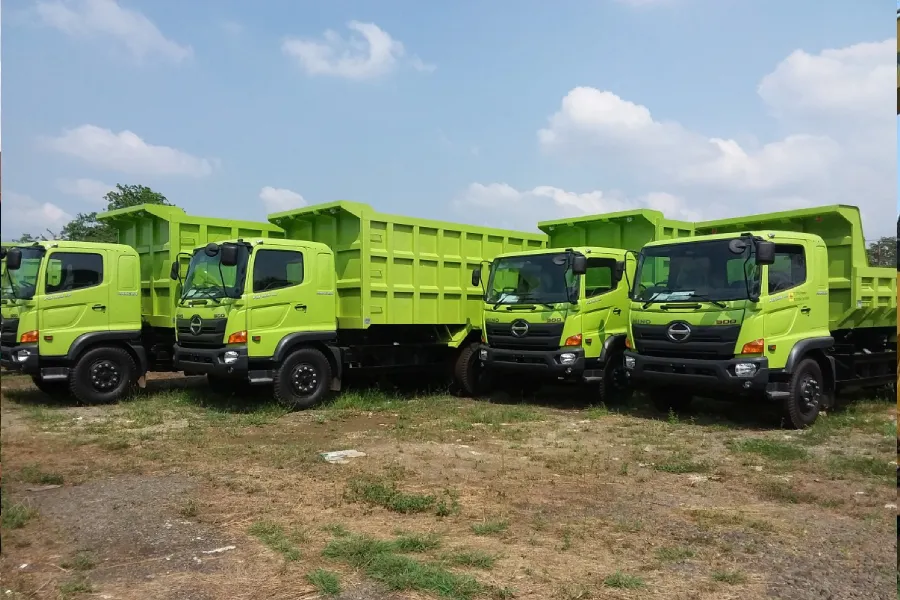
column 530, row 298
column 704, row 298
column 208, row 289
column 501, row 298
column 654, row 297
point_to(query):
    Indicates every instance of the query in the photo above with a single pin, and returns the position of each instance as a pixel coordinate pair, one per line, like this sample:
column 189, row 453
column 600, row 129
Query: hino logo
column 196, row 324
column 519, row 328
column 679, row 331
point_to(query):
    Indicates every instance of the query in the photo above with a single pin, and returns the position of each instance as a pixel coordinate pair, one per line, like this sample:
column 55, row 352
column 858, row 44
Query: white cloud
column 280, row 199
column 522, row 209
column 369, row 52
column 86, row 189
column 23, row 214
column 839, row 147
column 107, row 19
column 126, row 152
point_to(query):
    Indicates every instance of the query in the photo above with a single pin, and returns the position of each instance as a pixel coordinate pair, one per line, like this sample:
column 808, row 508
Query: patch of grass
column 623, row 581
column 680, row 463
column 669, row 554
column 506, row 593
column 33, row 474
column 189, row 509
column 273, row 535
column 771, row 449
column 490, row 527
column 74, row 587
column 874, row 468
column 865, row 417
column 729, row 577
column 116, row 444
column 44, row 415
column 776, row 491
column 471, row 558
column 597, row 412
column 362, row 401
column 14, row 515
column 378, row 559
column 416, row 542
column 448, row 504
column 82, row 561
column 386, row 495
column 325, row 582
column 336, row 529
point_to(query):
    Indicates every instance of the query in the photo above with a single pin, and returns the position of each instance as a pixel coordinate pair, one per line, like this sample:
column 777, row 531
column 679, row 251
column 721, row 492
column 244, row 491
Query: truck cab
column 78, row 324
column 761, row 315
column 557, row 315
column 260, row 311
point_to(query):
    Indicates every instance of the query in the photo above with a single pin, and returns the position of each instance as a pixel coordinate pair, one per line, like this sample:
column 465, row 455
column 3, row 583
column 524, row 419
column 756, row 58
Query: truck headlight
column 230, row 357
column 745, row 369
column 629, row 362
column 567, row 358
column 482, row 354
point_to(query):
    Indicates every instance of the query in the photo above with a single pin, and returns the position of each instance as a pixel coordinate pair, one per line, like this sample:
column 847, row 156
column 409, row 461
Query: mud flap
column 142, row 382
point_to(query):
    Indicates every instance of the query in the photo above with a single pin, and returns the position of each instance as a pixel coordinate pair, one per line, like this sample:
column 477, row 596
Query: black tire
column 806, row 395
column 670, row 400
column 615, row 388
column 303, row 379
column 54, row 389
column 102, row 375
column 468, row 374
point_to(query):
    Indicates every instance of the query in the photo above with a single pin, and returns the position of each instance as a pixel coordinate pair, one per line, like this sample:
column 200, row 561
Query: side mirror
column 175, row 271
column 229, row 256
column 765, row 253
column 13, row 259
column 3, row 251
column 211, row 249
column 619, row 271
column 579, row 264
column 476, row 276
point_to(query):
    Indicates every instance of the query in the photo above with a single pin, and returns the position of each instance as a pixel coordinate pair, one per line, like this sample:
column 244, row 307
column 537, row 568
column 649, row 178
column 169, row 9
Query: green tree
column 86, row 228
column 883, row 253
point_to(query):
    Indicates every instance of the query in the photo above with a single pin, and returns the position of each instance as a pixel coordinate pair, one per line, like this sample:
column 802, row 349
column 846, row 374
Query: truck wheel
column 672, row 399
column 54, row 389
column 102, row 375
column 806, row 395
column 469, row 374
column 614, row 387
column 303, row 379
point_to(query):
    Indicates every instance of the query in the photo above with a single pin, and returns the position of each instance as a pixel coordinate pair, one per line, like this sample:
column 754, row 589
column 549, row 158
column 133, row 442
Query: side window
column 789, row 269
column 599, row 276
column 276, row 269
column 69, row 271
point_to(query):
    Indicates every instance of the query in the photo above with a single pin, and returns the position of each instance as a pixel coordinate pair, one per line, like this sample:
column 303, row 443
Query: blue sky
column 500, row 113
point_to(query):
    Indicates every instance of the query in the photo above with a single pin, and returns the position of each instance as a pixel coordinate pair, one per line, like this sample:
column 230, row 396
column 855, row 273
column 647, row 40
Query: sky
column 498, row 113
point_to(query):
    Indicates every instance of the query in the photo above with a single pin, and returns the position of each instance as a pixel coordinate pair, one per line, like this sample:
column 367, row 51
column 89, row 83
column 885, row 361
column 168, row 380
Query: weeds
column 14, row 515
column 470, row 558
column 34, row 475
column 771, row 449
column 864, row 466
column 325, row 582
column 82, row 561
column 623, row 581
column 386, row 495
column 490, row 527
column 273, row 535
column 667, row 554
column 729, row 577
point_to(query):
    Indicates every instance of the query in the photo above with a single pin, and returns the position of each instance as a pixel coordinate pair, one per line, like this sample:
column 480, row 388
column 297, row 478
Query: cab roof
column 275, row 243
column 772, row 234
column 588, row 251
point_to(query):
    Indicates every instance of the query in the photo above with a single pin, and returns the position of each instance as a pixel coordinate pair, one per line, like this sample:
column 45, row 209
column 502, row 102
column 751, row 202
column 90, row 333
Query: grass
column 681, row 464
column 189, row 509
column 413, row 542
column 386, row 495
column 14, row 515
column 668, row 554
column 623, row 581
column 326, row 583
column 74, row 587
column 470, row 558
column 776, row 491
column 490, row 527
column 729, row 577
column 273, row 535
column 771, row 449
column 381, row 561
column 82, row 561
column 34, row 475
column 864, row 466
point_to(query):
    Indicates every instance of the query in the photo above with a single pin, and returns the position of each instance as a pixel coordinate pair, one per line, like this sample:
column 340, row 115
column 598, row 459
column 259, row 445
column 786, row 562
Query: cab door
column 605, row 305
column 279, row 298
column 75, row 298
column 789, row 299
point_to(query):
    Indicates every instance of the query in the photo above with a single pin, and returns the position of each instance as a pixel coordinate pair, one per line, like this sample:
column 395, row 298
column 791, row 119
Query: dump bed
column 394, row 270
column 628, row 230
column 859, row 295
column 159, row 234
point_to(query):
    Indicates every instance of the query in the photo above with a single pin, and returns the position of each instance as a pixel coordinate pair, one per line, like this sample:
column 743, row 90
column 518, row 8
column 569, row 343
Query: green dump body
column 394, row 270
column 163, row 234
column 628, row 230
column 859, row 295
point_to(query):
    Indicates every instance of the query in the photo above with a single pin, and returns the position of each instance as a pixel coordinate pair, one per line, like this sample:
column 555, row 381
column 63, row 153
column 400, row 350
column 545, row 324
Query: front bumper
column 713, row 375
column 211, row 361
column 541, row 362
column 10, row 358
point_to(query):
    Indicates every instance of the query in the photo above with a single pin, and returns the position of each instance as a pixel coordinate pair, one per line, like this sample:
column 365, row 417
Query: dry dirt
column 164, row 497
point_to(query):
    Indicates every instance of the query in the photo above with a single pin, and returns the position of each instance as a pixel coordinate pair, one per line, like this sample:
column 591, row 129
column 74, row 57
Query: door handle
column 617, row 311
column 300, row 307
column 98, row 307
column 805, row 310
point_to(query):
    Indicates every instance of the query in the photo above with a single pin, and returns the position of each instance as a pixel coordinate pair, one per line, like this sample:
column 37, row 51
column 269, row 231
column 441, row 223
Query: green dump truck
column 561, row 313
column 95, row 318
column 781, row 307
column 7, row 308
column 348, row 288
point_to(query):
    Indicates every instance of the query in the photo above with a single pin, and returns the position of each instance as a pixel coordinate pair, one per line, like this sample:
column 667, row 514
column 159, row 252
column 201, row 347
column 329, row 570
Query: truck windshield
column 22, row 282
column 207, row 279
column 538, row 278
column 702, row 270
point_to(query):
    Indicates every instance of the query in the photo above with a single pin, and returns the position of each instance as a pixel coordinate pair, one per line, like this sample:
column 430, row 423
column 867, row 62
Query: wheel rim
column 105, row 375
column 810, row 395
column 304, row 379
column 618, row 378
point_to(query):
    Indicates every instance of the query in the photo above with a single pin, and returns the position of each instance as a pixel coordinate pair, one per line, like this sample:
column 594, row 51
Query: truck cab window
column 277, row 269
column 599, row 276
column 789, row 269
column 69, row 271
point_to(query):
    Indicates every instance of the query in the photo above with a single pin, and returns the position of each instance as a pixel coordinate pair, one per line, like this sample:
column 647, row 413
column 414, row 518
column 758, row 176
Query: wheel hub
column 104, row 375
column 810, row 395
column 304, row 379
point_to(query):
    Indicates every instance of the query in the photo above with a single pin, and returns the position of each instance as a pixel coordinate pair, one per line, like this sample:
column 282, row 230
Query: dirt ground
column 176, row 494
